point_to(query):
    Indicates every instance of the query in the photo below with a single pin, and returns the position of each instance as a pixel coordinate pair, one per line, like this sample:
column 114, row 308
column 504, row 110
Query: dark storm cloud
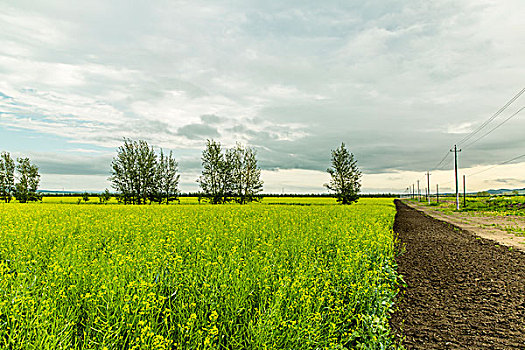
column 198, row 131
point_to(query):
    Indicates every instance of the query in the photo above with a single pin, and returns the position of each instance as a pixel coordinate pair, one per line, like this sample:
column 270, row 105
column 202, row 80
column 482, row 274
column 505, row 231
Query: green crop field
column 485, row 205
column 260, row 276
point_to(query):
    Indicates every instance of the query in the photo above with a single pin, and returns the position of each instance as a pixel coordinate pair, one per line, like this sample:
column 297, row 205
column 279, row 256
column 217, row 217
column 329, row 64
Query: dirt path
column 490, row 227
column 463, row 292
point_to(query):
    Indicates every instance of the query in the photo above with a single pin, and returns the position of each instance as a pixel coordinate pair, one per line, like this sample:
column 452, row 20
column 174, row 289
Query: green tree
column 215, row 180
column 345, row 176
column 245, row 174
column 104, row 197
column 166, row 178
column 7, row 177
column 28, row 181
column 85, row 197
column 229, row 175
column 133, row 171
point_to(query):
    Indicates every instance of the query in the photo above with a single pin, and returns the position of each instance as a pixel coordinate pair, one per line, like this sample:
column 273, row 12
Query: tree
column 229, row 175
column 85, row 197
column 104, row 197
column 345, row 176
column 214, row 180
column 166, row 179
column 7, row 177
column 245, row 174
column 28, row 181
column 124, row 173
column 133, row 171
column 139, row 175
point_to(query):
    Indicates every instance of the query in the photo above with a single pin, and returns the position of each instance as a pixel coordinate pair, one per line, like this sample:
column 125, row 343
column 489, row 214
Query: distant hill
column 506, row 191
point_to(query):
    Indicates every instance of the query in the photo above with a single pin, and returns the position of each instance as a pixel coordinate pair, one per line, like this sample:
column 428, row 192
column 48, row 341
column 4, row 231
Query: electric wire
column 440, row 165
column 491, row 130
column 441, row 162
column 492, row 167
column 479, row 128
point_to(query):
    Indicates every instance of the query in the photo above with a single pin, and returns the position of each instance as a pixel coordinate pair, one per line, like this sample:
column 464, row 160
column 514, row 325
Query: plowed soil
column 463, row 292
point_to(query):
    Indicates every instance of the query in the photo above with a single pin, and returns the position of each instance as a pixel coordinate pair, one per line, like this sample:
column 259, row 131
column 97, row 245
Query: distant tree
column 229, row 175
column 245, row 174
column 214, row 180
column 146, row 166
column 139, row 175
column 85, row 197
column 105, row 196
column 124, row 173
column 7, row 176
column 345, row 176
column 133, row 171
column 166, row 179
column 28, row 181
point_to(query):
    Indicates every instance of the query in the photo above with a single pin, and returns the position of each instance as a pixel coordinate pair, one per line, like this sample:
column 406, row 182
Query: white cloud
column 463, row 128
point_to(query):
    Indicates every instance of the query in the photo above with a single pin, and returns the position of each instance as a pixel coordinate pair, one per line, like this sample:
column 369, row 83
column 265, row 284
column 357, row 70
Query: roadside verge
column 474, row 226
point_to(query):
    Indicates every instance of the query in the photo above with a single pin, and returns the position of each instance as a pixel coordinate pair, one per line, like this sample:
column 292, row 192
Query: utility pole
column 437, row 193
column 464, row 193
column 456, row 150
column 428, row 186
column 418, row 192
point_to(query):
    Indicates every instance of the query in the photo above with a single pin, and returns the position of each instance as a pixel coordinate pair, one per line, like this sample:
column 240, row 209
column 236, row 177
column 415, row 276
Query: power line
column 492, row 167
column 497, row 126
column 439, row 165
column 441, row 162
column 478, row 129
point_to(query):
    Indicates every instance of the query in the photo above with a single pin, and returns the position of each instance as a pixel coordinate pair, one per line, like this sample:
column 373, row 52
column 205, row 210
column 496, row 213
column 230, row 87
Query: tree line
column 228, row 174
column 141, row 175
column 18, row 179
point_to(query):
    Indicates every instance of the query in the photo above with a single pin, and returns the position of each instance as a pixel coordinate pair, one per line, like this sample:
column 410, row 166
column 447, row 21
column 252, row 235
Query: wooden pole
column 428, row 187
column 464, row 193
column 455, row 150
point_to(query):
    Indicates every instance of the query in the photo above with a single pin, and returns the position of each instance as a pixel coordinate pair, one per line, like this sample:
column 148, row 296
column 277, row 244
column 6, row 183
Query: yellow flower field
column 260, row 276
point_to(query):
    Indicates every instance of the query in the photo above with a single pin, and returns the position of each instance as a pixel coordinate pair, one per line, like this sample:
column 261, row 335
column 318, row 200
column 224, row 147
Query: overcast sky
column 398, row 81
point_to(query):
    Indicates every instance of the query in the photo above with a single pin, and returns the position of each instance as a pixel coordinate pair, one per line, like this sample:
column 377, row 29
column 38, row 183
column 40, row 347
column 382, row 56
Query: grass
column 260, row 276
column 497, row 205
column 511, row 207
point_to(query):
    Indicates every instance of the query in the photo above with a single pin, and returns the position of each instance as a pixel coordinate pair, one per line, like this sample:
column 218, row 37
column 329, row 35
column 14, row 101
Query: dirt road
column 463, row 292
column 495, row 228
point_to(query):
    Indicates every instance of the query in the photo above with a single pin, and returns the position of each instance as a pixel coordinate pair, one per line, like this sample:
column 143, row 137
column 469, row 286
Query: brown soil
column 490, row 227
column 463, row 291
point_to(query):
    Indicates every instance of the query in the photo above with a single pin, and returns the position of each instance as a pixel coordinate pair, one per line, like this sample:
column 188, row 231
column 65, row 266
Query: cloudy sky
column 398, row 81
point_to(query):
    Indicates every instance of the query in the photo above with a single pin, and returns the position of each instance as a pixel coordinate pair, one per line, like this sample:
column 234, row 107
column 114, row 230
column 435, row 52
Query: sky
column 399, row 82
